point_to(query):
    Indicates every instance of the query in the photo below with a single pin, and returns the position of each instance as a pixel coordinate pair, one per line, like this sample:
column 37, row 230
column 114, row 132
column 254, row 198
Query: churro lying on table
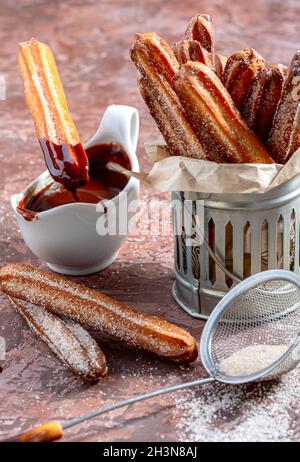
column 67, row 339
column 98, row 311
column 64, row 154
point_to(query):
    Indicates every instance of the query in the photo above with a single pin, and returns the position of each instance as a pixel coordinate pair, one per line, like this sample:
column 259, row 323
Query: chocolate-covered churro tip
column 64, row 154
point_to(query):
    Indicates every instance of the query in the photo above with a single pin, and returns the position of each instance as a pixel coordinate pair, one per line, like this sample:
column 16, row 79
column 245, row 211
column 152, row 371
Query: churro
column 214, row 117
column 284, row 137
column 67, row 339
column 191, row 50
column 64, row 154
column 201, row 29
column 263, row 99
column 98, row 311
column 241, row 68
column 157, row 66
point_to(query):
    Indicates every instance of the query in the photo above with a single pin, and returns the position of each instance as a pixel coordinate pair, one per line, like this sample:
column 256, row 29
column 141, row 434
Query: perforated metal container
column 248, row 232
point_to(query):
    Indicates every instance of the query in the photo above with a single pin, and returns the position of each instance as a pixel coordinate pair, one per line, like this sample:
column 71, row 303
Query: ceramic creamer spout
column 119, row 124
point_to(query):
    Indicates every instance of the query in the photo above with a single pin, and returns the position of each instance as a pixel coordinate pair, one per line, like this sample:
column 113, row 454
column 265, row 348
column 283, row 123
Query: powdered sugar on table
column 262, row 411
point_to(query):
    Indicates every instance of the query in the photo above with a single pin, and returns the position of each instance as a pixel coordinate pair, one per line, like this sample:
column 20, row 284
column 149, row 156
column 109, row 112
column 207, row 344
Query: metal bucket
column 248, row 233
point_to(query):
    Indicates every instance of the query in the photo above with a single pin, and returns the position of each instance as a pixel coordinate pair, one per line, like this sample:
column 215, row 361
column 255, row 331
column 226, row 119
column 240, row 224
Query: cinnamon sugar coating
column 98, row 311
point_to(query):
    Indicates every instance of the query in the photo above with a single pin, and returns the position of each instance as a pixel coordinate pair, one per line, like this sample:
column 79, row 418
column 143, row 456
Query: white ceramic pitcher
column 66, row 237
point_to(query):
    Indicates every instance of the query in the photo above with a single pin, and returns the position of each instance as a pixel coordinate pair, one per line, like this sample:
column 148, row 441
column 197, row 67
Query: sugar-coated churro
column 241, row 68
column 284, row 137
column 98, row 311
column 157, row 65
column 263, row 99
column 64, row 154
column 214, row 117
column 67, row 339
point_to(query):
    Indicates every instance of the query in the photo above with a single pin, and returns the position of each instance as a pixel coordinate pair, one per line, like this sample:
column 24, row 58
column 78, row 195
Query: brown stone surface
column 91, row 40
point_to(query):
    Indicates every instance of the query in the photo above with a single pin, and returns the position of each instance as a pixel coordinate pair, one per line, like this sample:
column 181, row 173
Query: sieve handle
column 213, row 255
column 127, row 402
column 48, row 434
column 27, row 436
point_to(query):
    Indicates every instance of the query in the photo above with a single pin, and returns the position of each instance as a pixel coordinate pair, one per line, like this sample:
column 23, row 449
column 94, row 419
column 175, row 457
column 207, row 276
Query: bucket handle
column 218, row 261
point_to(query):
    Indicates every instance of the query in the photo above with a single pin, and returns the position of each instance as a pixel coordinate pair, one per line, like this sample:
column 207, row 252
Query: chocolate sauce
column 102, row 184
column 67, row 164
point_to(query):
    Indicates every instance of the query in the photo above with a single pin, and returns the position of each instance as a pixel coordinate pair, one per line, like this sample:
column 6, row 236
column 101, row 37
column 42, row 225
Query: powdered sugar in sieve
column 251, row 359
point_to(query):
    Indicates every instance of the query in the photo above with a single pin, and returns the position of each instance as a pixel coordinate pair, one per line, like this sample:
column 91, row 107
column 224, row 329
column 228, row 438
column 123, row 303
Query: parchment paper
column 174, row 173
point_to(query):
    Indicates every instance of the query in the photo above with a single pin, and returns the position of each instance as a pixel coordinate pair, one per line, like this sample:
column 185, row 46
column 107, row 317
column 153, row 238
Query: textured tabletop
column 91, row 41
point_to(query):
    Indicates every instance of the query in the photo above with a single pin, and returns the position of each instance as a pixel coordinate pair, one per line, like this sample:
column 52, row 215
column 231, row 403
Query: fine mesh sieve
column 263, row 310
column 259, row 317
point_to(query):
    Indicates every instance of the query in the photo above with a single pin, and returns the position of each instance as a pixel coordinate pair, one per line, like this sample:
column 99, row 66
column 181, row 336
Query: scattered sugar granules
column 251, row 359
column 261, row 411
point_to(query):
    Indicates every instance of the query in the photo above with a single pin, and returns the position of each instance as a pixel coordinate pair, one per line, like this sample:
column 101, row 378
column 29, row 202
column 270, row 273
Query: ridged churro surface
column 263, row 99
column 98, row 311
column 214, row 117
column 191, row 50
column 67, row 339
column 284, row 138
column 240, row 71
column 201, row 29
column 157, row 66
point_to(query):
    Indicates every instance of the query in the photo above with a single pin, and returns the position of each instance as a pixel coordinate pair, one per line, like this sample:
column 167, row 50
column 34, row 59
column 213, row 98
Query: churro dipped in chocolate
column 263, row 99
column 284, row 137
column 44, row 94
column 157, row 66
column 240, row 71
column 201, row 29
column 67, row 339
column 98, row 311
column 214, row 117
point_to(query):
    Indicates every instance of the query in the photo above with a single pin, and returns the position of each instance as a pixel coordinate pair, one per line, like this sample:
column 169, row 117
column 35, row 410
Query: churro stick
column 284, row 137
column 165, row 108
column 98, row 311
column 240, row 71
column 67, row 339
column 263, row 98
column 158, row 54
column 157, row 65
column 191, row 50
column 164, row 120
column 214, row 117
column 64, row 154
column 201, row 29
column 220, row 64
